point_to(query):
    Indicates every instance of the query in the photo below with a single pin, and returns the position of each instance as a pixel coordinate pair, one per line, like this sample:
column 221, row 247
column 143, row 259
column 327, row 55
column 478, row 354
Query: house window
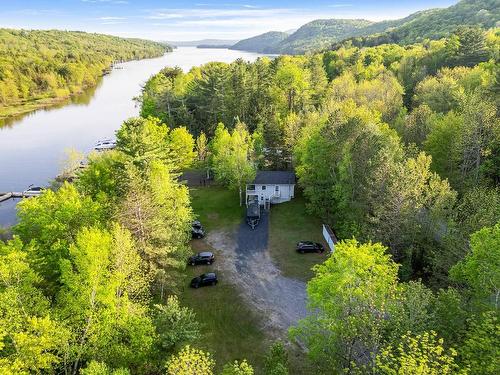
column 277, row 189
column 251, row 187
column 263, row 187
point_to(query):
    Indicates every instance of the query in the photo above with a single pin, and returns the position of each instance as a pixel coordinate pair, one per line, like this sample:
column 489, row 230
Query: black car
column 205, row 257
column 309, row 247
column 197, row 230
column 204, row 280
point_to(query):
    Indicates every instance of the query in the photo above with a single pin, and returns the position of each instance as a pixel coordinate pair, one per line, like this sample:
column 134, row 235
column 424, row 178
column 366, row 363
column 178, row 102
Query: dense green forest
column 430, row 24
column 40, row 67
column 397, row 148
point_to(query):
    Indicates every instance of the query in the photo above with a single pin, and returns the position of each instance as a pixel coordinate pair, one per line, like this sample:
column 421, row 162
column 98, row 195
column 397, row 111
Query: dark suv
column 309, row 247
column 197, row 230
column 205, row 257
column 204, row 280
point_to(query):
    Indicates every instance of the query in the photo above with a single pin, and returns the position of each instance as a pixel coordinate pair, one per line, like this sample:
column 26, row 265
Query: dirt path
column 246, row 258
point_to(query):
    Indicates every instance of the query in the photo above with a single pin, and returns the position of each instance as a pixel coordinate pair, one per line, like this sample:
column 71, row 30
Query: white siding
column 286, row 192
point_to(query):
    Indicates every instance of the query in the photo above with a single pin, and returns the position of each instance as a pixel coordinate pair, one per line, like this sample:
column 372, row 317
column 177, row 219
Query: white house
column 270, row 187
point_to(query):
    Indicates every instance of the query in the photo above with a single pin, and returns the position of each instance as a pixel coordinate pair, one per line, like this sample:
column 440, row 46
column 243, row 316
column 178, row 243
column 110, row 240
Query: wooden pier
column 13, row 194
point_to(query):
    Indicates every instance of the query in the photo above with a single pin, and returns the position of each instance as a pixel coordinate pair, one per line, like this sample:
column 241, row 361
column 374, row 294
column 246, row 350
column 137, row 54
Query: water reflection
column 83, row 98
column 32, row 147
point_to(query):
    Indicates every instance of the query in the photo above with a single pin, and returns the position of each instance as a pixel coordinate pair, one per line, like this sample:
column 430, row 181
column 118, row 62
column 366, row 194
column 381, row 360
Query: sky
column 199, row 19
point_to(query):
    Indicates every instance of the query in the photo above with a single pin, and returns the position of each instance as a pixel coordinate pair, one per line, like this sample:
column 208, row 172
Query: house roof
column 274, row 177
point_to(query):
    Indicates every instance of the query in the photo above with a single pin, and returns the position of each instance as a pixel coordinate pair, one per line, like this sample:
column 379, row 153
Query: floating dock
column 13, row 194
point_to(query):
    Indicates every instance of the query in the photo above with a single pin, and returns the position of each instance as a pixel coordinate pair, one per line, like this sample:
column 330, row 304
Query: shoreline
column 12, row 111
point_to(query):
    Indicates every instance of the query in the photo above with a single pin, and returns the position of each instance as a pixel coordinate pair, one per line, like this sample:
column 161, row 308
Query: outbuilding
column 271, row 187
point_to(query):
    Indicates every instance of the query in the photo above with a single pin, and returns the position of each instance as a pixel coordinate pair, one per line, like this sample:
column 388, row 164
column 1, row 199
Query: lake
column 34, row 147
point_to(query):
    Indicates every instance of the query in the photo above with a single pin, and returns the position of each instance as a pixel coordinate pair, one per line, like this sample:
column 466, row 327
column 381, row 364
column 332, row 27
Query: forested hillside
column 40, row 67
column 435, row 23
column 397, row 147
column 429, row 24
column 320, row 34
column 264, row 43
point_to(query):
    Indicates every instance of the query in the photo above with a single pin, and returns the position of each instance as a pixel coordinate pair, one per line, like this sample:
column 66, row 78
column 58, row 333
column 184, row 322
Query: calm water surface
column 33, row 148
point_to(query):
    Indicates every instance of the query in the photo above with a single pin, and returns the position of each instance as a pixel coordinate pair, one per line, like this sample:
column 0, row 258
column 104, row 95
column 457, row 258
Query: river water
column 34, row 147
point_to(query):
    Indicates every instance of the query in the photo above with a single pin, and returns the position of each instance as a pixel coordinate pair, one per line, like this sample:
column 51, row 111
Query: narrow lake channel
column 33, row 148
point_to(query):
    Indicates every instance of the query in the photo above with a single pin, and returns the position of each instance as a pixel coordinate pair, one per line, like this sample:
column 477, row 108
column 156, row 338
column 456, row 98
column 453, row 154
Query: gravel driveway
column 281, row 299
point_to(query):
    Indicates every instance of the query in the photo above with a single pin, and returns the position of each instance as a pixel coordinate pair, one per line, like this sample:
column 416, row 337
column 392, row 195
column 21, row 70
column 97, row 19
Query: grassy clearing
column 289, row 223
column 216, row 207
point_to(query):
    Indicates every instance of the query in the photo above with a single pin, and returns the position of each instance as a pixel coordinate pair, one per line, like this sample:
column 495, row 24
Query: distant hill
column 205, row 42
column 319, row 34
column 435, row 23
column 216, row 46
column 427, row 24
column 264, row 43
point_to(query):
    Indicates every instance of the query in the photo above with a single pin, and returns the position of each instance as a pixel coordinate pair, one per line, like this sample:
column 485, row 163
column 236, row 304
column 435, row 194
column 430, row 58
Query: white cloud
column 206, row 19
column 111, row 18
column 105, row 1
column 239, row 23
column 159, row 14
column 340, row 5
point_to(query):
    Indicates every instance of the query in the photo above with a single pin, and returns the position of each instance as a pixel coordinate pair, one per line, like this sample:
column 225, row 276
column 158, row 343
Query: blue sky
column 199, row 19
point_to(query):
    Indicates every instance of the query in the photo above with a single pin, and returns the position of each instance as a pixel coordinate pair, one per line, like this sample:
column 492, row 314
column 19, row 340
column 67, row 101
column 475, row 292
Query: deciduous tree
column 349, row 296
column 232, row 157
column 190, row 361
column 423, row 354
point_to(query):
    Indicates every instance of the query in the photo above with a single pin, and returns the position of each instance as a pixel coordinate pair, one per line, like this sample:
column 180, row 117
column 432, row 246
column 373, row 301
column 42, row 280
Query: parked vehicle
column 205, row 257
column 309, row 247
column 33, row 191
column 197, row 230
column 253, row 214
column 204, row 280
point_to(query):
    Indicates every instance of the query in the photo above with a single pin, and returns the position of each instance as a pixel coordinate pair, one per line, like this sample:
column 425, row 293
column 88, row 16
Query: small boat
column 33, row 191
column 104, row 145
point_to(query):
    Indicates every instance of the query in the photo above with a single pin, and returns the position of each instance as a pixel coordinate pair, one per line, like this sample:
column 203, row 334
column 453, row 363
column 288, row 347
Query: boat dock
column 13, row 194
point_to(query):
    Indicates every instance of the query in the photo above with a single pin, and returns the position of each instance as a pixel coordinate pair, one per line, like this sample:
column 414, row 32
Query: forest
column 38, row 68
column 397, row 148
column 392, row 145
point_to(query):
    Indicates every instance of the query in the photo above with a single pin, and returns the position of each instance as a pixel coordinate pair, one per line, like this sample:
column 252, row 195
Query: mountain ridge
column 323, row 34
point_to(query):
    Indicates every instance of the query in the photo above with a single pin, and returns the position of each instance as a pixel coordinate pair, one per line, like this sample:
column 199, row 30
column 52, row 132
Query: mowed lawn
column 216, row 207
column 290, row 223
column 230, row 329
